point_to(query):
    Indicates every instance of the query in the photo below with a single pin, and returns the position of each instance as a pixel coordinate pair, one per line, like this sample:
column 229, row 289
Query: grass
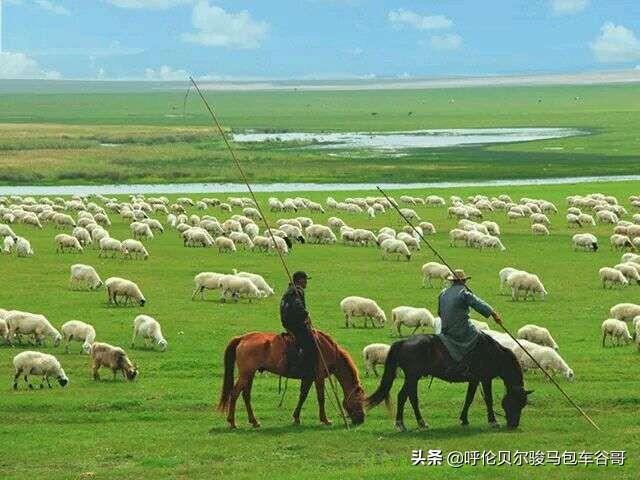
column 56, row 138
column 164, row 425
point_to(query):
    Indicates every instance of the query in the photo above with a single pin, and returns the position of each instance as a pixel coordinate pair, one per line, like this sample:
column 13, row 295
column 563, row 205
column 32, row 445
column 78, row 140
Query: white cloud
column 568, row 7
column 52, row 7
column 216, row 27
column 149, row 4
column 18, row 65
column 165, row 73
column 356, row 51
column 402, row 17
column 450, row 41
column 616, row 44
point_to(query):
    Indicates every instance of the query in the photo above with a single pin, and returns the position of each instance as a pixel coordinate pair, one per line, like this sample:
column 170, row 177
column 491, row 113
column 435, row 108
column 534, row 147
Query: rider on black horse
column 295, row 319
column 458, row 334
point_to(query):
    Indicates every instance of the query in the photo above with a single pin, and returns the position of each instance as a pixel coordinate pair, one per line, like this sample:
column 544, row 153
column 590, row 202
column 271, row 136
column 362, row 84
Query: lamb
column 115, row 358
column 237, row 286
column 525, row 282
column 585, row 241
column 613, row 277
column 362, row 307
column 80, row 332
column 394, row 246
column 320, row 234
column 258, row 281
column 539, row 229
column 25, row 323
column 617, row 330
column 625, row 311
column 206, row 281
column 374, row 354
column 538, row 335
column 434, row 270
column 411, row 317
column 125, row 288
column 629, row 271
column 108, row 244
column 23, row 248
column 64, row 241
column 37, row 363
column 148, row 328
column 84, row 276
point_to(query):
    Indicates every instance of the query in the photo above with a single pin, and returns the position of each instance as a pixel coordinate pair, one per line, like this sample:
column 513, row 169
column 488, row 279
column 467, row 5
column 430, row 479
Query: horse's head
column 513, row 403
column 353, row 403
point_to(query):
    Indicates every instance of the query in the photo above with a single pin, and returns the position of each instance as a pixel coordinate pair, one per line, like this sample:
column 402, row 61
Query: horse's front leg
column 320, row 393
column 488, row 400
column 305, row 386
column 471, row 393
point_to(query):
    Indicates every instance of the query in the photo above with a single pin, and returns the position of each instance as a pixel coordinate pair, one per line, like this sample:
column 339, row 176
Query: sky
column 314, row 39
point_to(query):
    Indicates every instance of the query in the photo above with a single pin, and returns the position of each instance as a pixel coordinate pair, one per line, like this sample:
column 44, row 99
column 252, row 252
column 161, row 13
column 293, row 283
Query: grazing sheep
column 108, row 244
column 409, row 214
column 525, row 282
column 115, row 358
column 613, row 277
column 547, row 357
column 362, row 307
column 238, row 238
column 410, row 241
column 617, row 330
column 237, row 286
column 9, row 245
column 5, row 231
column 374, row 354
column 148, row 328
column 258, row 281
column 279, row 244
column 605, row 216
column 625, row 311
column 434, row 270
column 154, row 224
column 395, row 247
column 620, row 242
column 125, row 288
column 261, row 243
column 539, row 229
column 492, row 228
column 197, row 237
column 411, row 317
column 335, row 223
column 135, row 249
column 585, row 241
column 630, row 257
column 573, row 219
column 207, row 281
column 456, row 235
column 80, row 332
column 629, row 271
column 540, row 218
column 64, row 241
column 538, row 335
column 23, row 248
column 320, row 234
column 489, row 241
column 25, row 323
column 37, row 363
column 83, row 236
column 84, row 276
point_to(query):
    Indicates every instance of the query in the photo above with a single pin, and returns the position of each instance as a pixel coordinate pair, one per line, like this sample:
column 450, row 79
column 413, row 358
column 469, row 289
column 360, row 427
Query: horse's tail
column 229, row 365
column 389, row 375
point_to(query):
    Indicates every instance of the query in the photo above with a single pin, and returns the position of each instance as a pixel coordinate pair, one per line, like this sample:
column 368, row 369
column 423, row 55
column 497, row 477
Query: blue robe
column 459, row 335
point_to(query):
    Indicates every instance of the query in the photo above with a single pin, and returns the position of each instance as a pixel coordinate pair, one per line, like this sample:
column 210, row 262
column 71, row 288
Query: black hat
column 300, row 275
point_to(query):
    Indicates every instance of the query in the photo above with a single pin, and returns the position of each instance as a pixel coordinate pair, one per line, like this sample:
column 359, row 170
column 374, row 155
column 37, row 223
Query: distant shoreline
column 382, row 83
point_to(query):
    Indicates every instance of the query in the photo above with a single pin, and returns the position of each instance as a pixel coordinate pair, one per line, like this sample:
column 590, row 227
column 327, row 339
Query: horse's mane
column 505, row 358
column 343, row 354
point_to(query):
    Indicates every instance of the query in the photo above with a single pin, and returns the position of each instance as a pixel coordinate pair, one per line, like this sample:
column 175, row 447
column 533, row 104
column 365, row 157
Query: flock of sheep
column 87, row 222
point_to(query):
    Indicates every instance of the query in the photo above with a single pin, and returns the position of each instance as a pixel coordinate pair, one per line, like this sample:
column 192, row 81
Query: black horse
column 426, row 355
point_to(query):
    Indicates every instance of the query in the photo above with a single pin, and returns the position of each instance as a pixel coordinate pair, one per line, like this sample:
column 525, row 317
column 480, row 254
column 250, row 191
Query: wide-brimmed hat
column 458, row 274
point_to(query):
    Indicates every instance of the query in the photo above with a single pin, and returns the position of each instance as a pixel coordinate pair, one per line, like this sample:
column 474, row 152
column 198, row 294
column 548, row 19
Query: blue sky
column 242, row 39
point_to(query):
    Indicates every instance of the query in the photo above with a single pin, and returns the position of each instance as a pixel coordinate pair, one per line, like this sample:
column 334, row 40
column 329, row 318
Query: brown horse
column 260, row 351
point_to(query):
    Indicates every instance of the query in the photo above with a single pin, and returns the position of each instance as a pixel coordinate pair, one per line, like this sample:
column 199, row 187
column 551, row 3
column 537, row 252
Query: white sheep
column 149, row 329
column 625, row 311
column 585, row 241
column 411, row 317
column 84, row 276
column 613, row 277
column 83, row 236
column 9, row 245
column 135, row 248
column 239, row 238
column 489, row 241
column 258, row 281
column 23, row 247
column 547, row 357
column 538, row 335
column 617, row 330
column 75, row 330
column 5, row 231
column 279, row 244
column 539, row 229
column 374, row 354
column 236, row 287
column 108, row 244
column 197, row 237
column 392, row 246
column 68, row 242
column 411, row 242
column 362, row 307
column 630, row 271
column 320, row 234
column 206, row 281
column 456, row 235
column 37, row 363
column 432, row 270
column 525, row 282
column 125, row 288
column 26, row 323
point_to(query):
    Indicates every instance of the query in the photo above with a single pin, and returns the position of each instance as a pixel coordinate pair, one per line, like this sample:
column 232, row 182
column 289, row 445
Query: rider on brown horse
column 295, row 319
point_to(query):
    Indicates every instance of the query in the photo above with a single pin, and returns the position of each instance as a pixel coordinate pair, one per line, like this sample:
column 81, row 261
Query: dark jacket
column 293, row 308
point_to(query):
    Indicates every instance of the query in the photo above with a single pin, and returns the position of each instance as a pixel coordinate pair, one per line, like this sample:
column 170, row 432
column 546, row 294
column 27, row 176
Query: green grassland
column 164, row 425
column 55, row 138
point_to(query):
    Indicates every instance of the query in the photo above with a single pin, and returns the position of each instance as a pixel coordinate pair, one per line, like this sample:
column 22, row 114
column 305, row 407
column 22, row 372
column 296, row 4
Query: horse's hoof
column 422, row 425
column 400, row 427
column 326, row 421
column 256, row 424
column 296, row 421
